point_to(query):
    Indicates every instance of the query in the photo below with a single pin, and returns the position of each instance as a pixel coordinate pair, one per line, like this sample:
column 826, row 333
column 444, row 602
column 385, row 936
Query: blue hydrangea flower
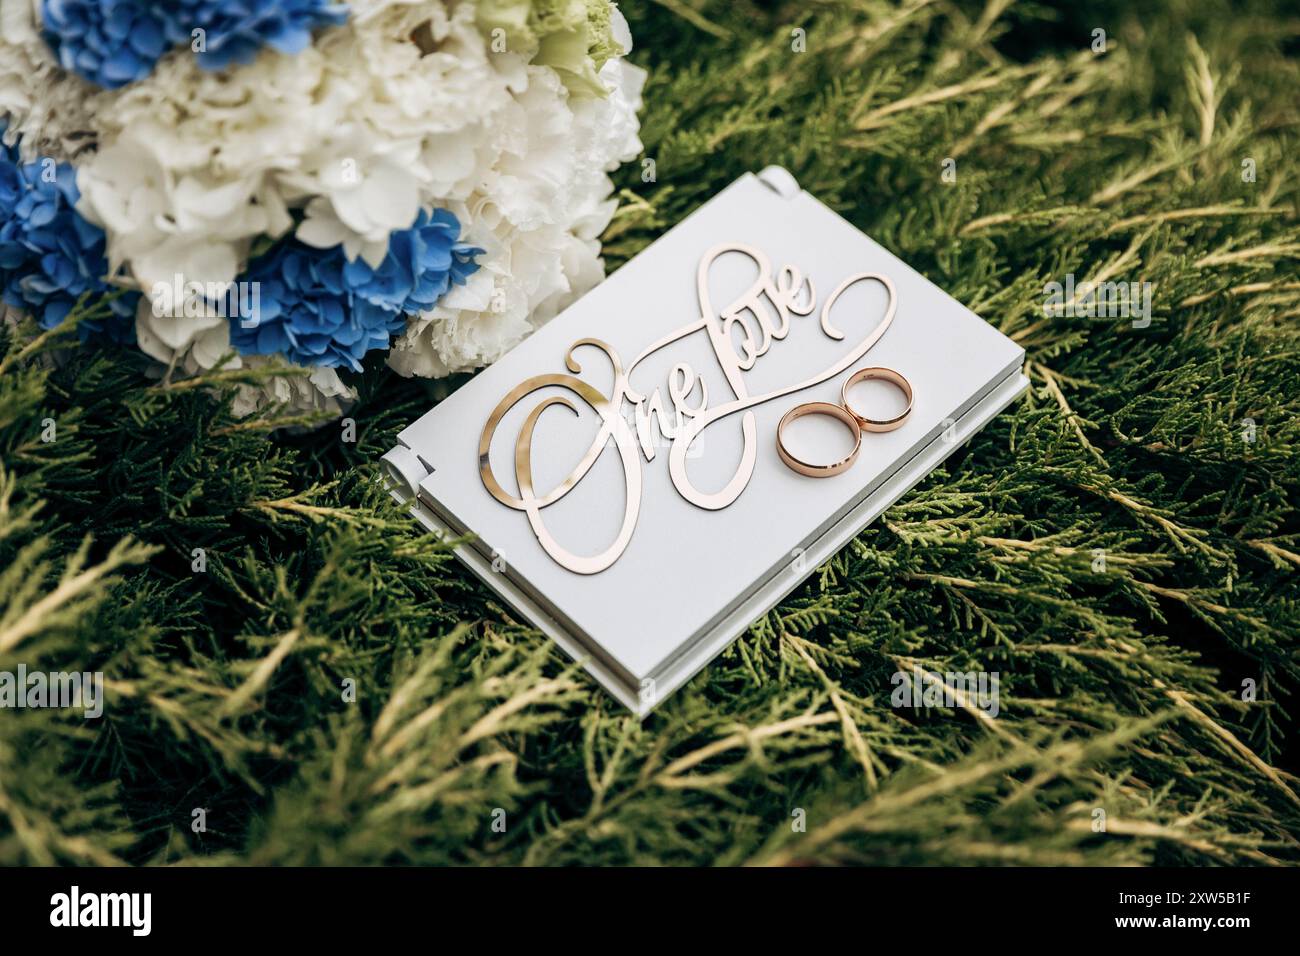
column 236, row 29
column 109, row 42
column 318, row 308
column 116, row 42
column 49, row 255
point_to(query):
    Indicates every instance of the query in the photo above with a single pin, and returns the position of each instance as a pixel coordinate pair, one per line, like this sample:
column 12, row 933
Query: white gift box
column 692, row 575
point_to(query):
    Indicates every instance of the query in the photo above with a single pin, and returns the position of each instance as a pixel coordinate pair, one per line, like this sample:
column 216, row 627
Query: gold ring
column 887, row 375
column 819, row 408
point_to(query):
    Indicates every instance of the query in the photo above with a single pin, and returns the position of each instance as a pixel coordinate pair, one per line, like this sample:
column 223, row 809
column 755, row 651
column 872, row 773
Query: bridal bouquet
column 297, row 183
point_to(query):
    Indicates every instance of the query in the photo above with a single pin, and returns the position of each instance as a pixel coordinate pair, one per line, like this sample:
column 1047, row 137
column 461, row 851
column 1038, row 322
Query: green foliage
column 1113, row 545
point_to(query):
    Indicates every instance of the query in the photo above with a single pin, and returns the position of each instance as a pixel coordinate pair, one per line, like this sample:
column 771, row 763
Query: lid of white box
column 686, row 566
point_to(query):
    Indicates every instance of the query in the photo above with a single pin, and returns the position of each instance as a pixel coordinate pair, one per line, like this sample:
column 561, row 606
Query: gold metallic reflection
column 761, row 315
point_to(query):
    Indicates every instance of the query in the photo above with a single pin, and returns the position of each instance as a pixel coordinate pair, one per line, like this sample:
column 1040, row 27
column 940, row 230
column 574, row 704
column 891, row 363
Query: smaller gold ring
column 887, row 375
column 819, row 408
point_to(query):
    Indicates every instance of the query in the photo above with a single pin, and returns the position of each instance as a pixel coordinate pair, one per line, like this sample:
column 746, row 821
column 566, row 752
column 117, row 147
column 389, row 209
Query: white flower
column 46, row 109
column 541, row 206
column 359, row 209
column 320, row 391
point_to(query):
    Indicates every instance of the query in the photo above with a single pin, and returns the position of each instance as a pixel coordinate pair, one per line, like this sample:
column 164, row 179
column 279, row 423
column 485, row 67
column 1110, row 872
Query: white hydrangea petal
column 619, row 29
column 213, row 344
column 321, row 228
column 195, row 260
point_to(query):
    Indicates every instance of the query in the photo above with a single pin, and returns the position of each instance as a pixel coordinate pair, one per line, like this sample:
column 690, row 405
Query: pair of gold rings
column 845, row 413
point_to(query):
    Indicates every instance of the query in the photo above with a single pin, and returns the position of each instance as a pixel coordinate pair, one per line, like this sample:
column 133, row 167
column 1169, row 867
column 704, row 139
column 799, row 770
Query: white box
column 690, row 579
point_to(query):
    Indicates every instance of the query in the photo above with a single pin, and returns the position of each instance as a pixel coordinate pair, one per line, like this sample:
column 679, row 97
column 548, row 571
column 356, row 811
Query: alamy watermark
column 85, row 689
column 220, row 300
column 133, row 911
column 920, row 689
column 1099, row 300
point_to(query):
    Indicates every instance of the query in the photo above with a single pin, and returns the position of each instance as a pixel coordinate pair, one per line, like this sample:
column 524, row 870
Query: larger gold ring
column 887, row 375
column 819, row 408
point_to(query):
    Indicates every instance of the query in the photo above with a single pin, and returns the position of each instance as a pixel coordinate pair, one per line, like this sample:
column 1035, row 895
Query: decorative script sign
column 739, row 334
